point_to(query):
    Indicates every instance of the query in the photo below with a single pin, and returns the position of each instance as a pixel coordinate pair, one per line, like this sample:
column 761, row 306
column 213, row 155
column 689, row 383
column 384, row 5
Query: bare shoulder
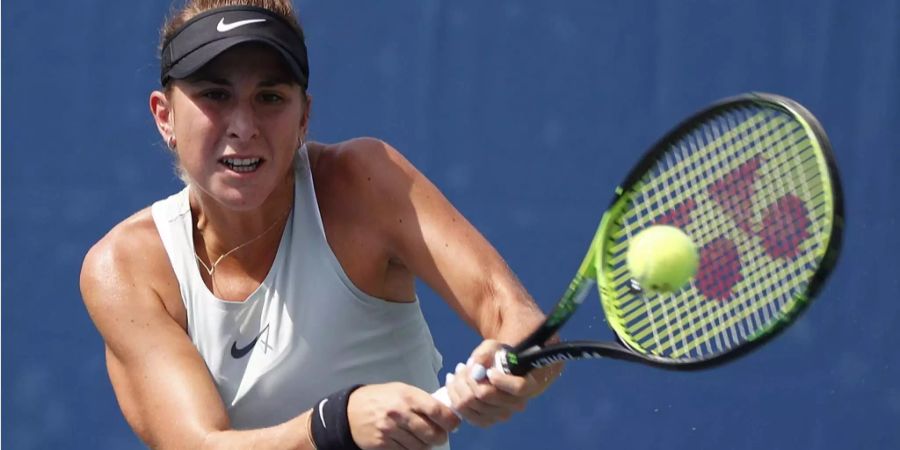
column 132, row 295
column 116, row 254
column 129, row 245
column 364, row 161
column 371, row 173
column 128, row 265
column 363, row 188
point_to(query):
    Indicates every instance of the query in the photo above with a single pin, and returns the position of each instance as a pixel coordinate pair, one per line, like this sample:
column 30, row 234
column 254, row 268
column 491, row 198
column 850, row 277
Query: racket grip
column 478, row 374
column 442, row 396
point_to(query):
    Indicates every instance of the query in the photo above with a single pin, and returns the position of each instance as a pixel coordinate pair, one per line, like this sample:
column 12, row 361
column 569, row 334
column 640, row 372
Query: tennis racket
column 753, row 182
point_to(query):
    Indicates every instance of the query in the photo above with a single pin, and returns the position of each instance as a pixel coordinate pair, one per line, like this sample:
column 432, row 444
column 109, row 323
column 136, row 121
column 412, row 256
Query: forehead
column 246, row 60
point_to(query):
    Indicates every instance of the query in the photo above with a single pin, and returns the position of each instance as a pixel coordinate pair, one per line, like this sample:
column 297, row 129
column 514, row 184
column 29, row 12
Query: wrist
column 309, row 436
column 329, row 426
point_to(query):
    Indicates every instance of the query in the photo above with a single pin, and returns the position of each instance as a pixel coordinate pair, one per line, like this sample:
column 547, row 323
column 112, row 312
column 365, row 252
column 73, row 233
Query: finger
column 479, row 390
column 457, row 389
column 484, row 353
column 462, row 397
column 405, row 440
column 491, row 395
column 425, row 430
column 433, row 410
column 443, row 394
column 485, row 399
column 512, row 385
column 400, row 432
column 477, row 371
column 485, row 392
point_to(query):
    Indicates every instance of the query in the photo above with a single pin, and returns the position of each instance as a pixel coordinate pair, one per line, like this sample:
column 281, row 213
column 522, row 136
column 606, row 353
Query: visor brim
column 195, row 60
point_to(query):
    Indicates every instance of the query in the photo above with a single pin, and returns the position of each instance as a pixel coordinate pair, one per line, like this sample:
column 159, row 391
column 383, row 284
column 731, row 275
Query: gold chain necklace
column 211, row 269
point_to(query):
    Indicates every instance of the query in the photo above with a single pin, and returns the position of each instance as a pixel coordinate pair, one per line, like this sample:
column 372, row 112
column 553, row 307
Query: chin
column 241, row 201
column 247, row 198
column 240, row 193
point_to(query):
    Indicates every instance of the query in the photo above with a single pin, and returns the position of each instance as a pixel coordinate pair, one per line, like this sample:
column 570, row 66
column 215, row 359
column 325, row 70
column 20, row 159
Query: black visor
column 212, row 32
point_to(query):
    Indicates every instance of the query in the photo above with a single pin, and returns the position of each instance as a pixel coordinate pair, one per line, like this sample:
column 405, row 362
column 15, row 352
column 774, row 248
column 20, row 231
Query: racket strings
column 747, row 186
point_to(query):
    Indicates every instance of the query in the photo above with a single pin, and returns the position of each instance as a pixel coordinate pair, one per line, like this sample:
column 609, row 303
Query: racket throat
column 510, row 362
column 502, row 360
column 564, row 356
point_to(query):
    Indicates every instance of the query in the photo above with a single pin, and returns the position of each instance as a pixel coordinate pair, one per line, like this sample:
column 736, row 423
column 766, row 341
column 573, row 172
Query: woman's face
column 237, row 124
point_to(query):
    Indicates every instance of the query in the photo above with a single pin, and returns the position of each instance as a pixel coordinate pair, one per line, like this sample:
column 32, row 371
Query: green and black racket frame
column 752, row 180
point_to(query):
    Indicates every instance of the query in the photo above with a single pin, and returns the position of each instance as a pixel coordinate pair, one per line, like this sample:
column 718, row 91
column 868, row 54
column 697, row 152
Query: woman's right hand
column 397, row 416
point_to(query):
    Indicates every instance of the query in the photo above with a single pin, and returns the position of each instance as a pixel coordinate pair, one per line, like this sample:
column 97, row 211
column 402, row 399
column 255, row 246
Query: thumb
column 483, row 357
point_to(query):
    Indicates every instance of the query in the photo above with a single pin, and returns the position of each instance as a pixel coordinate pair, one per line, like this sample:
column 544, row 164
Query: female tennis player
column 271, row 303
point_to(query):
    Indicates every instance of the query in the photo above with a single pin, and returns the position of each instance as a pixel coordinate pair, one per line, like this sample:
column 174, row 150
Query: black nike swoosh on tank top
column 238, row 353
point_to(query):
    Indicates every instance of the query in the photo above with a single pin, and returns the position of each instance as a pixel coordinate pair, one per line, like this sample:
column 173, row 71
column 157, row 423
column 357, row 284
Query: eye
column 215, row 94
column 271, row 97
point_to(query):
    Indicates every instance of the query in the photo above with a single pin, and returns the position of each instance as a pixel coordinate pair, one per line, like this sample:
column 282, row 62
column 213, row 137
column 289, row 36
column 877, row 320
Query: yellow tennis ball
column 662, row 258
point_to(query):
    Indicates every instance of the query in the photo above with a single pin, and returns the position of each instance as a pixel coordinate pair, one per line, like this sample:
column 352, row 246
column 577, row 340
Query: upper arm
column 160, row 380
column 423, row 231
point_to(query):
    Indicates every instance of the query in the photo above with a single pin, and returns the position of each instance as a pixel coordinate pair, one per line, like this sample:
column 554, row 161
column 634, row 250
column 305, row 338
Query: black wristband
column 330, row 425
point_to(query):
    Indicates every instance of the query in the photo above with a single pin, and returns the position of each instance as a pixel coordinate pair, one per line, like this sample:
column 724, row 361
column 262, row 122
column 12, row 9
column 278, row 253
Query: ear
column 304, row 121
column 161, row 109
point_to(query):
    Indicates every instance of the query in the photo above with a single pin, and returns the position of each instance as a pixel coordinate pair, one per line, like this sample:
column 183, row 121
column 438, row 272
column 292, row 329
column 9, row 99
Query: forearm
column 506, row 312
column 515, row 316
column 293, row 434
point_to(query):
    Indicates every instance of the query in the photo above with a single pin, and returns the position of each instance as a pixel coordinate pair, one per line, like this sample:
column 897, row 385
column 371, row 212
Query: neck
column 221, row 229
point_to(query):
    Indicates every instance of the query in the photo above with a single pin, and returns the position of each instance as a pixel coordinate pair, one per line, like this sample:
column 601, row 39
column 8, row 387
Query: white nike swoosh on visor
column 223, row 27
column 321, row 417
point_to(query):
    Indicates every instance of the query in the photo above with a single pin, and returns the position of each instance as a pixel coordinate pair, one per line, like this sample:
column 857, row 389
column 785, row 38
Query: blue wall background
column 526, row 114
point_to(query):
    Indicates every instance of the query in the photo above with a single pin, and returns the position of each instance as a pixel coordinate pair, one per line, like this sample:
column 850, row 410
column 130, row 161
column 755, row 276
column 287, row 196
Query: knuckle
column 408, row 397
column 519, row 389
column 384, row 426
column 376, row 441
column 439, row 438
column 463, row 400
column 489, row 347
column 427, row 435
column 433, row 410
column 490, row 343
column 484, row 392
column 394, row 414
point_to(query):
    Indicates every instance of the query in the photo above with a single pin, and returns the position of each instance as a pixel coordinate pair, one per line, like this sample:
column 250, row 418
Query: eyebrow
column 268, row 80
column 271, row 81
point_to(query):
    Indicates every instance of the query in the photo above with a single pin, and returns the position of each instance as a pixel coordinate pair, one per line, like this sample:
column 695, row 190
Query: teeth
column 241, row 164
column 240, row 161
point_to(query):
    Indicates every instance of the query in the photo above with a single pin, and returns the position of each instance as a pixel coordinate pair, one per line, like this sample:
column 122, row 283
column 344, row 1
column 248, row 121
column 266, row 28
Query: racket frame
column 531, row 353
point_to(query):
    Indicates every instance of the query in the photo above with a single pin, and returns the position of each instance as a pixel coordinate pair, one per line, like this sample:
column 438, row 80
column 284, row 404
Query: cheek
column 284, row 132
column 196, row 134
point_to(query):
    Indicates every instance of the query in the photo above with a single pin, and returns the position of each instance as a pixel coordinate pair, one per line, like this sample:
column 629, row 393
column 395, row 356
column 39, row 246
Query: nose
column 242, row 122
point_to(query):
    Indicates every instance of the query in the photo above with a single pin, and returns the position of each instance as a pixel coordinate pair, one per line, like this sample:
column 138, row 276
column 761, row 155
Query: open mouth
column 241, row 165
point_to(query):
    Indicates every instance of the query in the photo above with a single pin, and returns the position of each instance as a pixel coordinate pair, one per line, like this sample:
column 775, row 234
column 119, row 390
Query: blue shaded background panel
column 526, row 114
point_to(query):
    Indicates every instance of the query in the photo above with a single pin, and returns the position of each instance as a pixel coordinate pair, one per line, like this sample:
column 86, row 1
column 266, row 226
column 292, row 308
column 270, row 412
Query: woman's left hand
column 496, row 396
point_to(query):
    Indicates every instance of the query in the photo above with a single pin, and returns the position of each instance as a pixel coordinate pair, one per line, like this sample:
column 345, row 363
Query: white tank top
column 305, row 332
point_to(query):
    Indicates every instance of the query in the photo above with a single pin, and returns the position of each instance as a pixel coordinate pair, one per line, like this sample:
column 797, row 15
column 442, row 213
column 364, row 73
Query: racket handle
column 478, row 373
column 442, row 396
